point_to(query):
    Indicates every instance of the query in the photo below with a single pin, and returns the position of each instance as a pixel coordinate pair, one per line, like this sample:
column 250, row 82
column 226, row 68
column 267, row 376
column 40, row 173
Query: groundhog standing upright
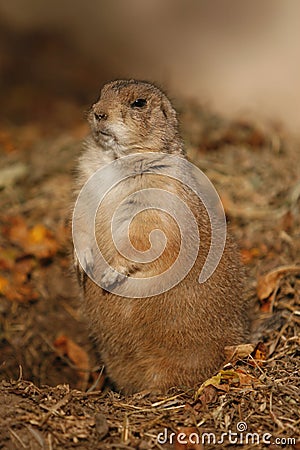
column 175, row 336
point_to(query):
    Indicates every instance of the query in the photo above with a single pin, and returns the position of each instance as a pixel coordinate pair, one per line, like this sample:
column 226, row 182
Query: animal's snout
column 100, row 116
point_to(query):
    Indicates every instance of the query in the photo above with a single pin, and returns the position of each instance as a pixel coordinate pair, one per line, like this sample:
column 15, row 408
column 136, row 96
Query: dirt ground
column 52, row 393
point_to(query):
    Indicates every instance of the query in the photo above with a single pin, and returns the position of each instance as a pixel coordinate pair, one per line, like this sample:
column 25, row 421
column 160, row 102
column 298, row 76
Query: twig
column 17, row 437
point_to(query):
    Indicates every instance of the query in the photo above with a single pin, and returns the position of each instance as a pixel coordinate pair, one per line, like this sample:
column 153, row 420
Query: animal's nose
column 100, row 116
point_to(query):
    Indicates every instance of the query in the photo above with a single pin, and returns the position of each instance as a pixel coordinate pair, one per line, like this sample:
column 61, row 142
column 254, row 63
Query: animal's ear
column 164, row 108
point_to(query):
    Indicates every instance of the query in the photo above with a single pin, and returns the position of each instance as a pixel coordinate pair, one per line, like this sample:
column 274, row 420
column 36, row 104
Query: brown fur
column 176, row 338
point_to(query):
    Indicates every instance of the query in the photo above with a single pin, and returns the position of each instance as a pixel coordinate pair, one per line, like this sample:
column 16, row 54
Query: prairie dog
column 177, row 337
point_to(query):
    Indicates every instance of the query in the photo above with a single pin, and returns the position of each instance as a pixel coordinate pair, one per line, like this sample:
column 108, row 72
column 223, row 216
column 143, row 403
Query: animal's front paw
column 112, row 277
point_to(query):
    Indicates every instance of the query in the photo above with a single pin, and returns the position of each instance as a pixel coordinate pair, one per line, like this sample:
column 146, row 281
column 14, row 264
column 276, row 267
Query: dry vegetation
column 52, row 394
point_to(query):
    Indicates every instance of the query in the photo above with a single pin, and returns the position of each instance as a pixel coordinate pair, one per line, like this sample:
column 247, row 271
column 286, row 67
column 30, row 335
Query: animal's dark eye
column 138, row 103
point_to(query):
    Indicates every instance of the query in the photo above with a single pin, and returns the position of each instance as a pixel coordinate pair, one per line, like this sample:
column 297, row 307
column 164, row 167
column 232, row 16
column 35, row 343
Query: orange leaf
column 187, row 438
column 3, row 285
column 76, row 354
column 267, row 305
column 19, row 293
column 37, row 241
column 41, row 242
column 249, row 254
column 7, row 142
column 17, row 231
column 37, row 234
column 296, row 446
column 259, row 354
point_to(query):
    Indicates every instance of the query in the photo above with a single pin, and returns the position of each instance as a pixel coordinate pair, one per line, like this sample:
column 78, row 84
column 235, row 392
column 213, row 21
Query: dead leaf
column 213, row 381
column 24, row 266
column 259, row 354
column 267, row 305
column 16, row 284
column 225, row 379
column 17, row 288
column 287, row 221
column 16, row 229
column 268, row 283
column 220, row 381
column 229, row 376
column 245, row 378
column 37, row 241
column 7, row 258
column 208, row 396
column 41, row 242
column 249, row 254
column 7, row 142
column 12, row 174
column 187, row 438
column 235, row 352
column 101, row 426
column 3, row 284
column 78, row 356
column 19, row 293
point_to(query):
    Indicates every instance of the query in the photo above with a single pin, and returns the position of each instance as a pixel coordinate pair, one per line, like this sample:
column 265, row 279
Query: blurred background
column 234, row 56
